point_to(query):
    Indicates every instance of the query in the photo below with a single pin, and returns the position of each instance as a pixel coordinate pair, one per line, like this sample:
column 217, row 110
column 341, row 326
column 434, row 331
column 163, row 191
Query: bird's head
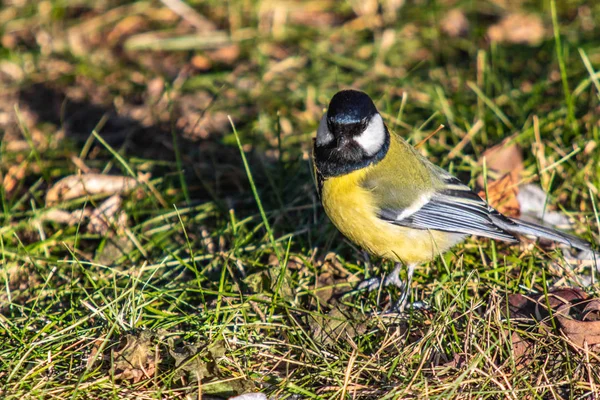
column 351, row 134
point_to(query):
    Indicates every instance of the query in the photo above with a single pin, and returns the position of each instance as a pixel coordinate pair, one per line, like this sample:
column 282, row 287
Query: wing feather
column 455, row 208
column 451, row 206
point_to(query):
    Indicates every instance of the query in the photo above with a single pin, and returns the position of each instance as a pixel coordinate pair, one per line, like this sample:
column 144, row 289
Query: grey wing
column 455, row 208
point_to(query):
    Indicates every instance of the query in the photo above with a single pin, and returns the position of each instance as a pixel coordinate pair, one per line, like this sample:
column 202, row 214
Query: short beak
column 342, row 141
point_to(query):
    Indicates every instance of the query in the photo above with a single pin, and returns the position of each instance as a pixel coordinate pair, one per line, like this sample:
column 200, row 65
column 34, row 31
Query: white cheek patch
column 373, row 137
column 324, row 136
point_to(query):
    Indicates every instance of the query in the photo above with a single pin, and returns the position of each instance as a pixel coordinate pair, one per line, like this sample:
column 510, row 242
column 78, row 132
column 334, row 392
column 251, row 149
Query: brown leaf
column 591, row 312
column 313, row 17
column 560, row 296
column 502, row 195
column 574, row 325
column 521, row 306
column 331, row 279
column 518, row 28
column 577, row 316
column 15, row 174
column 64, row 217
column 455, row 23
column 268, row 280
column 503, row 159
column 459, row 360
column 108, row 215
column 201, row 62
column 198, row 360
column 136, row 359
column 521, row 350
column 224, row 55
column 75, row 186
column 535, row 306
column 327, row 289
column 93, row 356
column 340, row 323
column 126, row 27
column 197, row 121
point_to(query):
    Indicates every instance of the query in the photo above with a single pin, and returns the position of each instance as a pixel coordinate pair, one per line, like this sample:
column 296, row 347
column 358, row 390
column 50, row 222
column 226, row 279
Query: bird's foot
column 375, row 283
column 393, row 279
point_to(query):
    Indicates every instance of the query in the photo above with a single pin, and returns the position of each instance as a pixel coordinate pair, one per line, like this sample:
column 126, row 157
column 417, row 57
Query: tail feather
column 523, row 228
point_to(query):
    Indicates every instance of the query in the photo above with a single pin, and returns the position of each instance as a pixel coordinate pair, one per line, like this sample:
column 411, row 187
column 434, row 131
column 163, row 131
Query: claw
column 392, row 279
column 369, row 285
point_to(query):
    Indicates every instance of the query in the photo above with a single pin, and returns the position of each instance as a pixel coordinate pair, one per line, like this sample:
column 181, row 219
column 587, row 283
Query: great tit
column 392, row 202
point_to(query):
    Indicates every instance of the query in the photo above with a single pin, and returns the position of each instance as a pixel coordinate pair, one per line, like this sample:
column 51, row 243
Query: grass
column 227, row 276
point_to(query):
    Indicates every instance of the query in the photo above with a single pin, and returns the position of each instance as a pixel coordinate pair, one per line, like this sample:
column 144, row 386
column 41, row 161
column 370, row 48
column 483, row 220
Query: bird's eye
column 324, row 136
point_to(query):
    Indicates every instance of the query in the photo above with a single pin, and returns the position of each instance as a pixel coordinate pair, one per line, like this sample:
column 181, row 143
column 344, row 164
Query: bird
column 392, row 202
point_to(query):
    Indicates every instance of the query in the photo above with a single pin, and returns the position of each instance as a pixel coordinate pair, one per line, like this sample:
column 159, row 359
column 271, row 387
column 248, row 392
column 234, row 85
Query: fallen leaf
column 518, row 28
column 591, row 312
column 575, row 323
column 504, row 158
column 126, row 27
column 455, row 23
column 64, row 217
column 201, row 62
column 339, row 323
column 520, row 306
column 502, row 195
column 504, row 163
column 75, row 186
column 533, row 202
column 268, row 281
column 332, row 279
column 113, row 249
column 93, row 356
column 314, row 17
column 522, row 350
column 190, row 358
column 136, row 359
column 224, row 55
column 198, row 362
column 14, row 175
column 575, row 313
column 107, row 216
column 458, row 360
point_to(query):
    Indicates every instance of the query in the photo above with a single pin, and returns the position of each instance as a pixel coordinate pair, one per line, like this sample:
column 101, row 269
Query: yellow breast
column 352, row 210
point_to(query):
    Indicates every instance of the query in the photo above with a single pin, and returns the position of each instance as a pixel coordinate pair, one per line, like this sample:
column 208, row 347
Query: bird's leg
column 367, row 260
column 392, row 279
column 402, row 302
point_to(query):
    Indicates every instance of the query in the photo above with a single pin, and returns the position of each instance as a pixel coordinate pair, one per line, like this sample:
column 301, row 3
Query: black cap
column 350, row 107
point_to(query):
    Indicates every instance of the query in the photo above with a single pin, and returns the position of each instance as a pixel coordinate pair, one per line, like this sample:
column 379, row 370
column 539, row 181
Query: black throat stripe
column 330, row 162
